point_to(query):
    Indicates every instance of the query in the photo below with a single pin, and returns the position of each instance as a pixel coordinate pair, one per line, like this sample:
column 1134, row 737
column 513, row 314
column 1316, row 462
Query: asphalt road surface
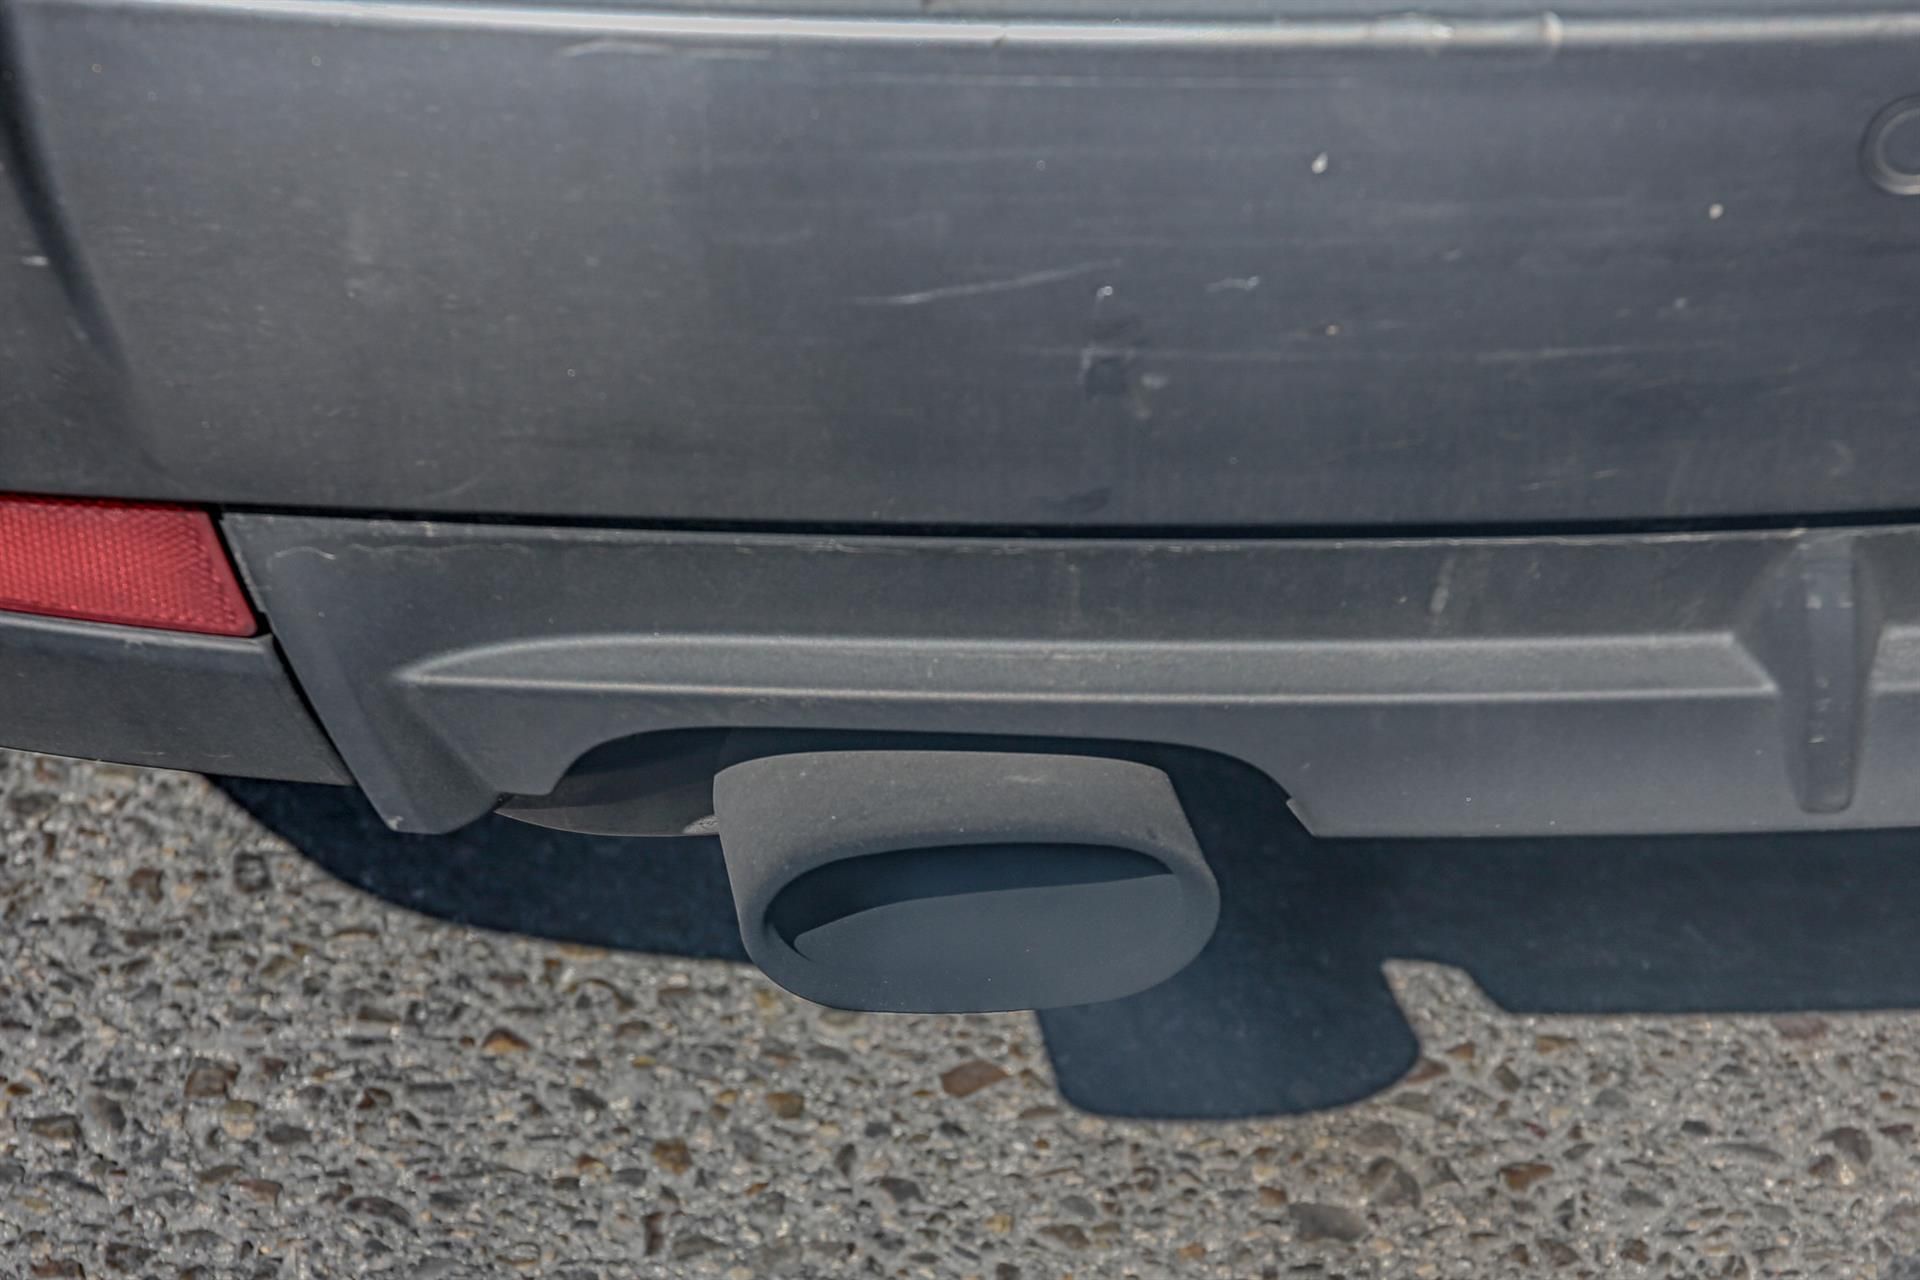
column 218, row 1061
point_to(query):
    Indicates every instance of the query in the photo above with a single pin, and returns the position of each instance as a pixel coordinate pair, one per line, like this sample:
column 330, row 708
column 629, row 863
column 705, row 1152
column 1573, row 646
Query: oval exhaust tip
column 960, row 881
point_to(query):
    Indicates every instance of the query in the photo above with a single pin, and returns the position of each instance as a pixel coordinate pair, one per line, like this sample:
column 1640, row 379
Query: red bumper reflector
column 134, row 563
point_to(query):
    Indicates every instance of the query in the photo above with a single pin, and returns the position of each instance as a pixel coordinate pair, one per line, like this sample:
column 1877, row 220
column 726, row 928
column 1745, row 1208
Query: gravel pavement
column 217, row 1061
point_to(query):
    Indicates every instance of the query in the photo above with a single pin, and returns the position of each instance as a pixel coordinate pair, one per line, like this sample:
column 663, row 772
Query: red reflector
column 134, row 563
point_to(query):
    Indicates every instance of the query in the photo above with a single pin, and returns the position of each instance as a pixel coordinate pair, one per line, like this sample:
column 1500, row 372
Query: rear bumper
column 1149, row 319
column 751, row 268
column 1436, row 687
column 1734, row 682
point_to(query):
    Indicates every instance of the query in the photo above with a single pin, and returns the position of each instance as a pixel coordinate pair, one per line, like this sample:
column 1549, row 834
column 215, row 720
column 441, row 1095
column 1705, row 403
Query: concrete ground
column 219, row 1062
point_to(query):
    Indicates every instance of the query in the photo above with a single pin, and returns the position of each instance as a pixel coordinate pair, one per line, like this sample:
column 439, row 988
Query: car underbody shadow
column 661, row 895
column 1286, row 1009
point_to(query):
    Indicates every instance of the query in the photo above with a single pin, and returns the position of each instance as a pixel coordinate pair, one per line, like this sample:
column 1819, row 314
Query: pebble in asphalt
column 219, row 1062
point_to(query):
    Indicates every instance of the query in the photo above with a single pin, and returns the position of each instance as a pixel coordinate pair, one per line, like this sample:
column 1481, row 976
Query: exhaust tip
column 961, row 881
